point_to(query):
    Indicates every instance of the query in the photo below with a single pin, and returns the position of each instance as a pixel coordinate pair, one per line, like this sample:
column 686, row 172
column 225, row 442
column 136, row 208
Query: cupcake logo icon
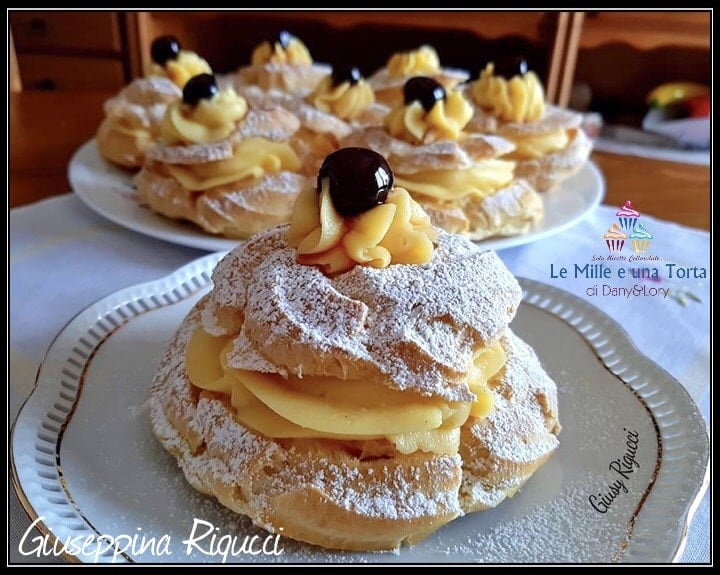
column 627, row 217
column 629, row 227
column 640, row 239
column 615, row 238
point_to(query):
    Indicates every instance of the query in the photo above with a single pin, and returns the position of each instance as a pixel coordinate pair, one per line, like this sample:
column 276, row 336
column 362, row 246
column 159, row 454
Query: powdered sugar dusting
column 219, row 455
column 547, row 170
column 392, row 492
column 270, row 122
column 382, row 79
column 407, row 158
column 312, row 118
column 143, row 93
column 518, row 433
column 415, row 327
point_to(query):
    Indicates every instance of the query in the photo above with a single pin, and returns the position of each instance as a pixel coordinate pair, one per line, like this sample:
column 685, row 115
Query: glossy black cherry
column 200, row 87
column 359, row 179
column 509, row 67
column 163, row 49
column 424, row 90
column 342, row 74
column 284, row 38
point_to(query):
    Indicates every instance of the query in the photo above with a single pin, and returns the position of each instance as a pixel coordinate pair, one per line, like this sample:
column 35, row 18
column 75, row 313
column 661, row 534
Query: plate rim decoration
column 683, row 463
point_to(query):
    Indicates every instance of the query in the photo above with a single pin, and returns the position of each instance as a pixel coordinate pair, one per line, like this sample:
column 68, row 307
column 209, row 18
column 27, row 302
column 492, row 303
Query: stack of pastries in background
column 231, row 152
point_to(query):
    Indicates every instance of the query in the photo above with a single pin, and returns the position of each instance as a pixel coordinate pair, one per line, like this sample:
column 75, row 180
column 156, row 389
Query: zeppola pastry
column 285, row 64
column 459, row 178
column 340, row 103
column 133, row 117
column 345, row 93
column 227, row 167
column 389, row 80
column 474, row 154
column 509, row 101
column 319, row 132
column 351, row 380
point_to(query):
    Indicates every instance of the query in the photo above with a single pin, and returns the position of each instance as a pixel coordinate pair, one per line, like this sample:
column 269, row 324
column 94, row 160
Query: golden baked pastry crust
column 139, row 107
column 319, row 492
column 548, row 170
column 511, row 210
column 237, row 209
column 551, row 169
column 293, row 78
column 390, row 325
column 358, row 494
column 389, row 89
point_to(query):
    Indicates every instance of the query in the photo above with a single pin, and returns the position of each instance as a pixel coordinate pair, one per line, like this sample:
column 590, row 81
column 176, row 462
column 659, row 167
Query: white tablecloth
column 63, row 257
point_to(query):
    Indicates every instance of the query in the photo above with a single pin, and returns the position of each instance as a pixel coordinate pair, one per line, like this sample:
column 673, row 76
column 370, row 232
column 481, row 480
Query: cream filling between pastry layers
column 483, row 179
column 138, row 133
column 332, row 408
column 537, row 146
column 252, row 159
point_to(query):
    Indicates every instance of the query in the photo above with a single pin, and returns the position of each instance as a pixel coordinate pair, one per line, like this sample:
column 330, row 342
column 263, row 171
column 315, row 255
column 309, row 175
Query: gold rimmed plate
column 632, row 464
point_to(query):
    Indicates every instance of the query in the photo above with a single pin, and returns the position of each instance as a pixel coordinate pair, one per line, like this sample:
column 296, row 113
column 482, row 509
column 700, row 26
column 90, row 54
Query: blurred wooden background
column 612, row 59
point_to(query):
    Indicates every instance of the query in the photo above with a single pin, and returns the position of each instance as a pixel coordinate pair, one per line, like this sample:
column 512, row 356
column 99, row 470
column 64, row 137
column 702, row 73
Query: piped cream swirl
column 347, row 101
column 396, row 232
column 520, row 99
column 209, row 121
column 182, row 68
column 421, row 62
column 296, row 53
column 445, row 120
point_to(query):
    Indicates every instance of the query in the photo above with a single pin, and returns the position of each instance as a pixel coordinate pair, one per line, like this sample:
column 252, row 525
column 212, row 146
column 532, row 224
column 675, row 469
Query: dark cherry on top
column 509, row 67
column 163, row 49
column 341, row 74
column 424, row 90
column 359, row 179
column 200, row 87
column 284, row 38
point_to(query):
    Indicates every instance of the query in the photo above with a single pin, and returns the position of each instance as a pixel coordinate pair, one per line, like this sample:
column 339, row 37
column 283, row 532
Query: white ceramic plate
column 109, row 191
column 85, row 461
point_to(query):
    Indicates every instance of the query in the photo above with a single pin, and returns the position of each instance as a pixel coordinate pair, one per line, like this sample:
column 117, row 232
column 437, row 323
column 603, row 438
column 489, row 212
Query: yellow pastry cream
column 421, row 62
column 133, row 125
column 520, row 98
column 171, row 61
column 207, row 115
column 210, row 120
column 381, row 419
column 428, row 113
column 287, row 49
column 359, row 220
column 340, row 409
column 481, row 180
column 344, row 93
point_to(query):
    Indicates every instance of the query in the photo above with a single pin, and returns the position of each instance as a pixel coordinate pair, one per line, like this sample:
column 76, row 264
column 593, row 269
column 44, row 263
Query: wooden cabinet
column 70, row 49
column 618, row 55
column 464, row 39
column 623, row 55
